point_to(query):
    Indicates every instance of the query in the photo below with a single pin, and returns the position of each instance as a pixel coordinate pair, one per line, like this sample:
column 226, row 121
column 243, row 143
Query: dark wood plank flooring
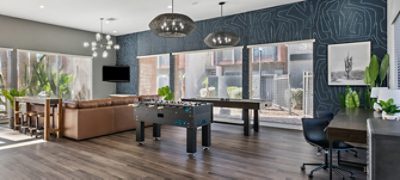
column 271, row 154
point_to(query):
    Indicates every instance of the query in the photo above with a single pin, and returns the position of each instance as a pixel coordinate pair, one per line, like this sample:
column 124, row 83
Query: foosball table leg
column 140, row 132
column 206, row 136
column 191, row 140
column 156, row 132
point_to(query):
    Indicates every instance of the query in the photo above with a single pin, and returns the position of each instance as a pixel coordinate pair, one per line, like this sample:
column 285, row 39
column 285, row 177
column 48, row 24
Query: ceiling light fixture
column 41, row 6
column 221, row 39
column 103, row 43
column 172, row 25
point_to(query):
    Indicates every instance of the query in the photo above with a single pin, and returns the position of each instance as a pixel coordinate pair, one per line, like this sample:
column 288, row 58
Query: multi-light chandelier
column 172, row 25
column 221, row 39
column 102, row 44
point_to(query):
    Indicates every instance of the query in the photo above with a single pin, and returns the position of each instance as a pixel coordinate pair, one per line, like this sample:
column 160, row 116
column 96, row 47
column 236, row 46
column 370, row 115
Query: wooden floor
column 271, row 154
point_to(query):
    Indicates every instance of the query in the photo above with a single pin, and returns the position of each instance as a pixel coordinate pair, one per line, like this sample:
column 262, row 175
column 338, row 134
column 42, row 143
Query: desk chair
column 314, row 133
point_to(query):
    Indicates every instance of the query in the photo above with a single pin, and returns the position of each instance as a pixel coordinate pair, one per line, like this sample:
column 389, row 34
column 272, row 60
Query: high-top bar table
column 47, row 102
column 244, row 104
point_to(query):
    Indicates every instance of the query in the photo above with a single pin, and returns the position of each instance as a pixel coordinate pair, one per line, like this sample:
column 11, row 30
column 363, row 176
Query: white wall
column 393, row 10
column 23, row 34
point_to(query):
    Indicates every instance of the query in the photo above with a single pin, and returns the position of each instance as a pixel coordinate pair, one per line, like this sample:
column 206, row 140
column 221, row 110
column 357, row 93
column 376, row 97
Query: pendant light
column 172, row 25
column 221, row 39
column 103, row 43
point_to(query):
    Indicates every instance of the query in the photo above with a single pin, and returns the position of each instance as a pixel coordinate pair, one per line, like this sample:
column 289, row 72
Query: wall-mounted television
column 116, row 73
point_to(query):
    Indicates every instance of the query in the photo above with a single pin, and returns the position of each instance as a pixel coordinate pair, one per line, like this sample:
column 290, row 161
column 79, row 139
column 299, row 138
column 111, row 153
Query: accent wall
column 326, row 21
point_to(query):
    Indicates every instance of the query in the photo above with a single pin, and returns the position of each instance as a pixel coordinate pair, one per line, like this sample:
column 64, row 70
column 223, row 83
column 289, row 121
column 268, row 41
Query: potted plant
column 374, row 76
column 10, row 96
column 165, row 93
column 390, row 111
column 350, row 99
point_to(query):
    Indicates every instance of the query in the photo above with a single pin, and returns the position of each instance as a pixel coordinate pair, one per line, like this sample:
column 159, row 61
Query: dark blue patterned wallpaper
column 326, row 21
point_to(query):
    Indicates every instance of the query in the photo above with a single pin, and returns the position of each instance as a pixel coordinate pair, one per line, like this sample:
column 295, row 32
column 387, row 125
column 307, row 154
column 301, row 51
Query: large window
column 153, row 73
column 5, row 58
column 57, row 75
column 397, row 50
column 210, row 74
column 282, row 74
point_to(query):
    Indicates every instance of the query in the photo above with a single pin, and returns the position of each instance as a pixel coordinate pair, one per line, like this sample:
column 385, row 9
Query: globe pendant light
column 172, row 25
column 103, row 43
column 221, row 39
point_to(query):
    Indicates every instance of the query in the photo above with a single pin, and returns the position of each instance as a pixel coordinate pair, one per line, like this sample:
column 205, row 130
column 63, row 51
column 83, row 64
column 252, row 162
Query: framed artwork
column 347, row 63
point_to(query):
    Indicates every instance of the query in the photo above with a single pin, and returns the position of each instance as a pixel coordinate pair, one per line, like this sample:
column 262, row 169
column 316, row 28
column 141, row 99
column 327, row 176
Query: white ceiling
column 131, row 15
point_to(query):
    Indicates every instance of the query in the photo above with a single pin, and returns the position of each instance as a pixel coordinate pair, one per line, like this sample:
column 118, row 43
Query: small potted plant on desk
column 390, row 111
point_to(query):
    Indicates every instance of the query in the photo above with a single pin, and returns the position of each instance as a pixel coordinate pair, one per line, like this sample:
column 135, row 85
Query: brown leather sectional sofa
column 92, row 118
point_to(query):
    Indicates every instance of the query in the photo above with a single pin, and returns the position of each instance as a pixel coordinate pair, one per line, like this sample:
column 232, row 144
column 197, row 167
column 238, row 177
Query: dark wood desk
column 244, row 104
column 349, row 125
column 46, row 102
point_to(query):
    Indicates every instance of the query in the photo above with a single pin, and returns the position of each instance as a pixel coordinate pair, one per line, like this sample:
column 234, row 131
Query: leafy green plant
column 43, row 78
column 234, row 92
column 350, row 99
column 11, row 94
column 389, row 107
column 166, row 93
column 375, row 75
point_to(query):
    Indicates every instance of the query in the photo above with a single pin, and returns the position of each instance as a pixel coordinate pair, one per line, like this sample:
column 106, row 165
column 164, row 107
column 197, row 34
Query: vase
column 387, row 116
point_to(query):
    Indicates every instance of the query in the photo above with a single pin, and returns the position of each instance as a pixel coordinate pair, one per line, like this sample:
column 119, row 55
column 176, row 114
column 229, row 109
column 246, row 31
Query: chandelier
column 102, row 44
column 172, row 25
column 221, row 39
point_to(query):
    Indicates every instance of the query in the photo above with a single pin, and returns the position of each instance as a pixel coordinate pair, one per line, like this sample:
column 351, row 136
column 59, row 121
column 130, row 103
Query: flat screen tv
column 116, row 73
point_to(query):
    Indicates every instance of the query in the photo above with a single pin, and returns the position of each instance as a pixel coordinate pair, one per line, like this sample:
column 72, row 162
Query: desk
column 348, row 125
column 244, row 104
column 47, row 102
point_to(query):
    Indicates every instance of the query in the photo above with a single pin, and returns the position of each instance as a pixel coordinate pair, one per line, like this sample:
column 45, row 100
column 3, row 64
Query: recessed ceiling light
column 107, row 22
column 169, row 6
column 115, row 31
column 41, row 6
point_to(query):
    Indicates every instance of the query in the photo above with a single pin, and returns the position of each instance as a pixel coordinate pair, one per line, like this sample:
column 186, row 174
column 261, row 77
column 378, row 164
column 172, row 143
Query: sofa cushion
column 149, row 97
column 103, row 102
column 71, row 104
column 124, row 100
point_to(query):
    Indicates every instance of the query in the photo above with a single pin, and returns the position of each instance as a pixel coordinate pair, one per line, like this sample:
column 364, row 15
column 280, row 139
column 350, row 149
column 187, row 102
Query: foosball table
column 188, row 115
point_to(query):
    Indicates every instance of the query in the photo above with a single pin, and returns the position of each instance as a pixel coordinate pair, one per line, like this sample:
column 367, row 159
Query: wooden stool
column 40, row 130
column 17, row 122
column 26, row 121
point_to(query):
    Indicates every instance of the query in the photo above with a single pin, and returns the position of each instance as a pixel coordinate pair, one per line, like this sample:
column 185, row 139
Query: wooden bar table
column 47, row 103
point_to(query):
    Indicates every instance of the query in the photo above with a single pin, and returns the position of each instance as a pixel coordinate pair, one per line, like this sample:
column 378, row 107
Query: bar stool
column 17, row 123
column 27, row 121
column 39, row 127
column 40, row 115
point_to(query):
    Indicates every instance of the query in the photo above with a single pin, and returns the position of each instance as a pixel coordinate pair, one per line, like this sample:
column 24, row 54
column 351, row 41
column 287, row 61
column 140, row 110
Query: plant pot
column 387, row 116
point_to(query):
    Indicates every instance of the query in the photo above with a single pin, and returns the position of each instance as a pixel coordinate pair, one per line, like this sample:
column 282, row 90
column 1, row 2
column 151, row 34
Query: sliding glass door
column 210, row 74
column 282, row 74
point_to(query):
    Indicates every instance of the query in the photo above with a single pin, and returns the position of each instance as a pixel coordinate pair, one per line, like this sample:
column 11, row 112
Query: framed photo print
column 347, row 63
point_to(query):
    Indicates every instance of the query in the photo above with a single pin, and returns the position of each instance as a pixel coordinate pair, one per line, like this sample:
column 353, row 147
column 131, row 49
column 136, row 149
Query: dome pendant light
column 221, row 39
column 172, row 25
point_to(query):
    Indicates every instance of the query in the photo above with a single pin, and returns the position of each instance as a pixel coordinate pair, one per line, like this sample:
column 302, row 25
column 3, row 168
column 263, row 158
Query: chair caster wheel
column 310, row 176
column 303, row 168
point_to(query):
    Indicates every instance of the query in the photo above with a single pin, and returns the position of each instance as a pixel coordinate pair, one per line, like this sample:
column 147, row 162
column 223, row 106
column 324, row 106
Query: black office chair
column 314, row 133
